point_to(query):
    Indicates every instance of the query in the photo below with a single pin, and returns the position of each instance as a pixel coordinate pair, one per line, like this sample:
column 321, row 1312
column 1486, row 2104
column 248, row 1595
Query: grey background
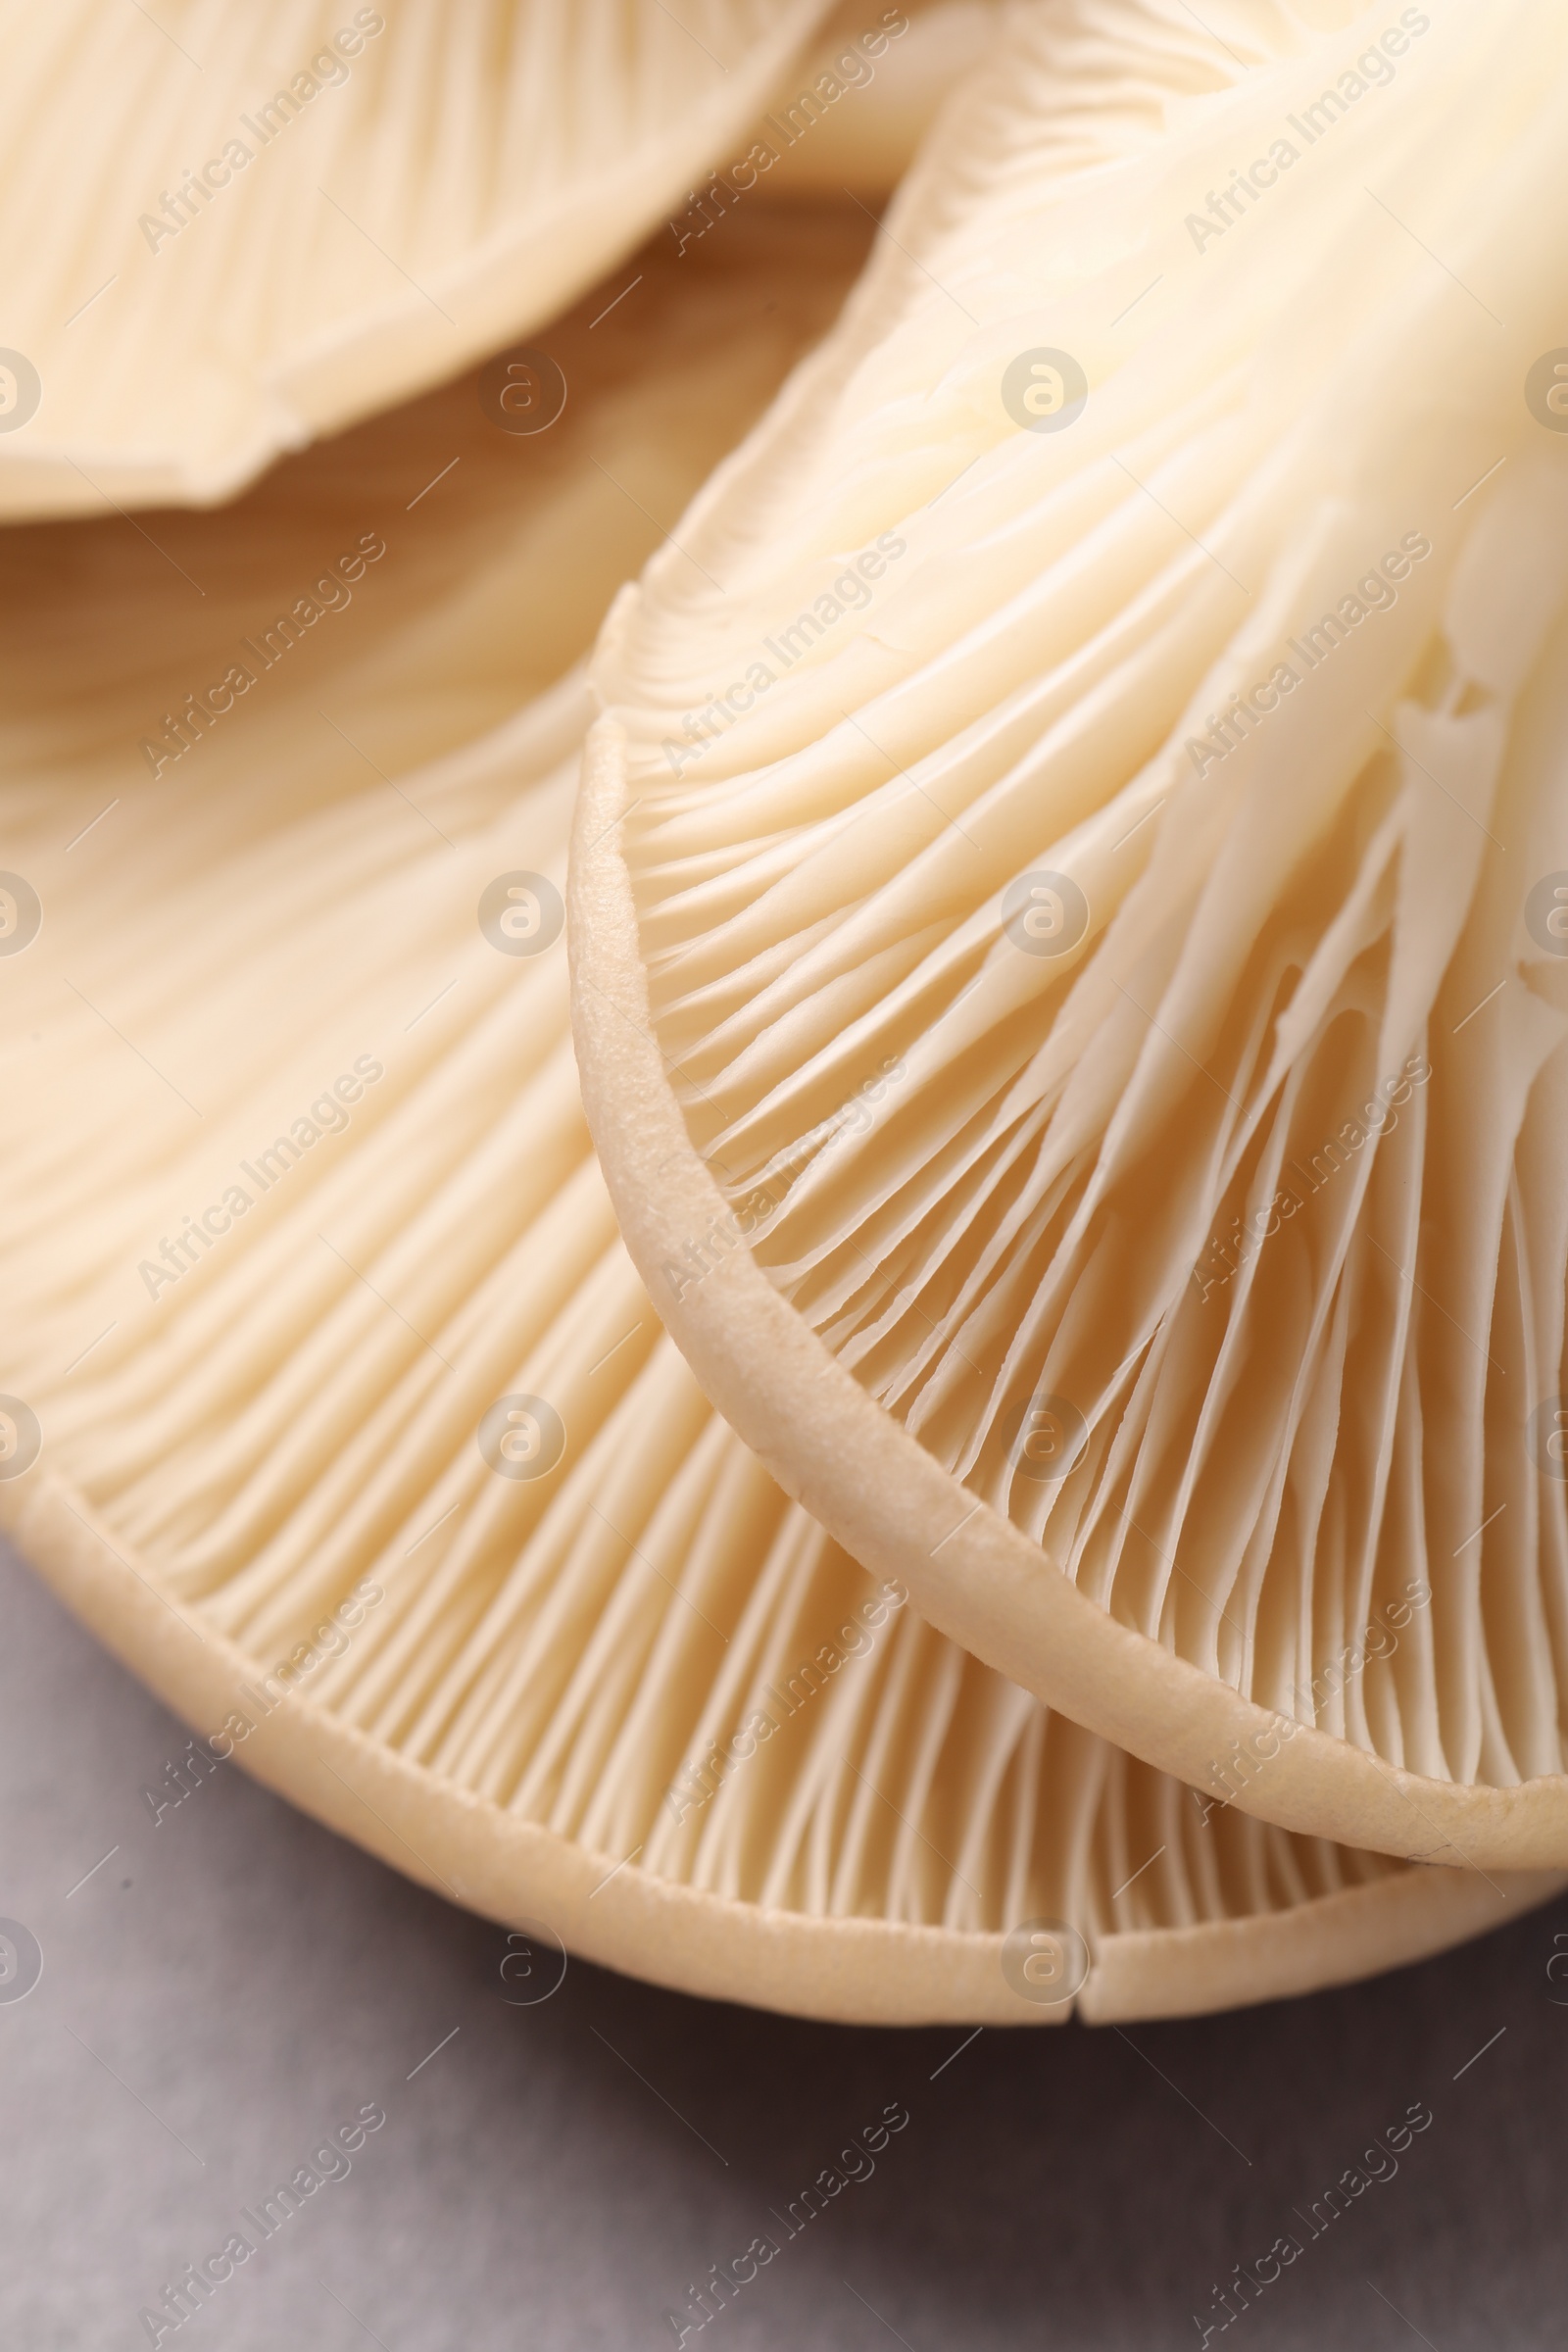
column 235, row 1983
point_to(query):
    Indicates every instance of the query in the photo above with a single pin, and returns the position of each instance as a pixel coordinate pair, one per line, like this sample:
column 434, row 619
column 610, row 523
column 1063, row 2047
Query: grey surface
column 235, row 1983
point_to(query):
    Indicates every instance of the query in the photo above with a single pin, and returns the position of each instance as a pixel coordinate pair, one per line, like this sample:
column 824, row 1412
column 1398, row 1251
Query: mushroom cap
column 261, row 1476
column 1067, row 870
column 278, row 222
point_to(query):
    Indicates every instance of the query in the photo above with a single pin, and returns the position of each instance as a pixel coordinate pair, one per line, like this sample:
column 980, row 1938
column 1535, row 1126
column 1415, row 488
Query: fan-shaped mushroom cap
column 299, row 1192
column 1070, row 870
column 230, row 231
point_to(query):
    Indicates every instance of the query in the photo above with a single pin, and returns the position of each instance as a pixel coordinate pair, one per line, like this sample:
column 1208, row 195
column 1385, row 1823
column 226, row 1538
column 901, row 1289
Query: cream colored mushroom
column 261, row 1476
column 1069, row 869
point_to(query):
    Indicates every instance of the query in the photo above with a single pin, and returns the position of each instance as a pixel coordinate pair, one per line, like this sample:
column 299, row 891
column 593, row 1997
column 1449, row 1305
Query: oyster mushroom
column 1064, row 904
column 298, row 1449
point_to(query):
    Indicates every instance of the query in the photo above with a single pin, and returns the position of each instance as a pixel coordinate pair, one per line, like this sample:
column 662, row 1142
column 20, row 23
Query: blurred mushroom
column 277, row 222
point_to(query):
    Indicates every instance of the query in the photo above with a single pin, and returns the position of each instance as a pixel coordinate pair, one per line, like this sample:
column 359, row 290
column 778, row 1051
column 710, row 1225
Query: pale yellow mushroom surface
column 307, row 1258
column 1069, row 903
